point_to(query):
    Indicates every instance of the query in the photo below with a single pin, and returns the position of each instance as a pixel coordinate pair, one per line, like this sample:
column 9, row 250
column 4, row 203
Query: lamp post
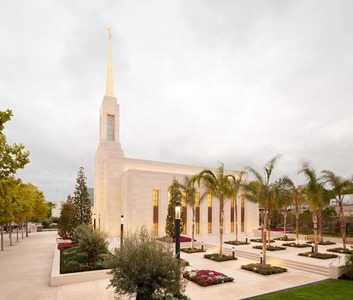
column 121, row 231
column 177, row 230
column 94, row 221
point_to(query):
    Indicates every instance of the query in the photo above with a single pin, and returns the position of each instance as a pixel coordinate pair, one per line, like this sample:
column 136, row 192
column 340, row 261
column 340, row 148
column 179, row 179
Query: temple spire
column 109, row 90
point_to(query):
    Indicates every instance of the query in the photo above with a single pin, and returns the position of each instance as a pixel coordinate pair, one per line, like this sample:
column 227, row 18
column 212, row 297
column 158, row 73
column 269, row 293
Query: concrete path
column 25, row 271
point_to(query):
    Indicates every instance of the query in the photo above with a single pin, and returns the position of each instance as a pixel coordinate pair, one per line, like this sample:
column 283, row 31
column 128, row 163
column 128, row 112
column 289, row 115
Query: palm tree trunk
column 193, row 227
column 296, row 224
column 321, row 239
column 236, row 218
column 18, row 224
column 264, row 240
column 343, row 225
column 269, row 229
column 221, row 214
column 285, row 223
column 10, row 234
column 315, row 213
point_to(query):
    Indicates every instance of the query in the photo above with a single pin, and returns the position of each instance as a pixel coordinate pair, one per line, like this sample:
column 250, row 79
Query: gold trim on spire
column 109, row 90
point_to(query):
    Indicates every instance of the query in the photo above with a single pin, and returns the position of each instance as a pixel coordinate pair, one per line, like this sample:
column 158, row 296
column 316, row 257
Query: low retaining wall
column 57, row 279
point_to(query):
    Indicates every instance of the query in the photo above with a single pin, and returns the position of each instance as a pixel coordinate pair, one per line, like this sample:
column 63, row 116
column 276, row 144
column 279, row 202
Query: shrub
column 296, row 245
column 271, row 248
column 236, row 243
column 340, row 250
column 260, row 241
column 192, row 250
column 145, row 267
column 268, row 270
column 348, row 268
column 92, row 242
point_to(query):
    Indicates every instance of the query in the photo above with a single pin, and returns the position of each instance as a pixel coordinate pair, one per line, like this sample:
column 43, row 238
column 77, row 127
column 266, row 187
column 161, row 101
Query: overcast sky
column 198, row 82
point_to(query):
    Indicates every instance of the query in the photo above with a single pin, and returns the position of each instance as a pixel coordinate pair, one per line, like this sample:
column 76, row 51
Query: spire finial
column 109, row 90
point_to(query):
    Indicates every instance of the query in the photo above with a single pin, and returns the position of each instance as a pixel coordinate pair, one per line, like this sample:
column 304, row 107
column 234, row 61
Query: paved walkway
column 25, row 270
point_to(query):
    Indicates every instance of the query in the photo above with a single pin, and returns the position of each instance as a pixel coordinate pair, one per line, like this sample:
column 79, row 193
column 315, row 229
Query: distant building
column 138, row 189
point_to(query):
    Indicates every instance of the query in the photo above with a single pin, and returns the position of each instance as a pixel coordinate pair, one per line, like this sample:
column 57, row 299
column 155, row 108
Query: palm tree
column 259, row 191
column 339, row 188
column 235, row 185
column 217, row 184
column 189, row 189
column 315, row 195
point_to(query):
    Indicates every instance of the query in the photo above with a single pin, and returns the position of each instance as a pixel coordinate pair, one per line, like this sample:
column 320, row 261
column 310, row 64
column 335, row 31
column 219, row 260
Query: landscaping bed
column 206, row 277
column 216, row 257
column 296, row 245
column 284, row 239
column 318, row 255
column 268, row 270
column 260, row 241
column 341, row 250
column 236, row 243
column 271, row 248
column 192, row 250
column 326, row 243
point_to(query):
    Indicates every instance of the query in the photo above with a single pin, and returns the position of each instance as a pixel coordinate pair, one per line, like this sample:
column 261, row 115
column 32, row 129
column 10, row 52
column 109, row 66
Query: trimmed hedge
column 216, row 257
column 318, row 255
column 271, row 248
column 192, row 250
column 268, row 270
column 341, row 250
column 296, row 245
column 236, row 243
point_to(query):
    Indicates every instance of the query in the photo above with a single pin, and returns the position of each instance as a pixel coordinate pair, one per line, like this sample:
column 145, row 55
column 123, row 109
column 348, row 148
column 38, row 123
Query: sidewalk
column 25, row 271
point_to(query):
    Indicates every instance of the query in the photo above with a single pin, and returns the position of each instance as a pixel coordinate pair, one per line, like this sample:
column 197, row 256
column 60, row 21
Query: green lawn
column 330, row 289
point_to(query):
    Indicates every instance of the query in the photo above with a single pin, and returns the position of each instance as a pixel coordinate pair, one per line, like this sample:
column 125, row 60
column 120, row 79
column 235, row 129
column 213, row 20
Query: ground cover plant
column 325, row 243
column 325, row 290
column 340, row 250
column 267, row 270
column 216, row 257
column 260, row 241
column 271, row 248
column 236, row 243
column 296, row 245
column 284, row 239
column 318, row 255
column 192, row 250
column 206, row 277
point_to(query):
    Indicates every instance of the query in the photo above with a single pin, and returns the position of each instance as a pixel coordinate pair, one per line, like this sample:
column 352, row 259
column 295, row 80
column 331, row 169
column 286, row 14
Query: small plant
column 318, row 255
column 268, row 270
column 192, row 250
column 236, row 243
column 340, row 250
column 296, row 245
column 206, row 277
column 260, row 241
column 348, row 268
column 271, row 248
column 216, row 257
column 287, row 239
column 326, row 243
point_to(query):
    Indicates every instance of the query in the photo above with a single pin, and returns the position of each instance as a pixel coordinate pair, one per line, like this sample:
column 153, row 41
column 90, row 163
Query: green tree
column 235, row 187
column 339, row 188
column 259, row 191
column 83, row 214
column 316, row 196
column 146, row 268
column 66, row 224
column 12, row 157
column 175, row 196
column 6, row 206
column 218, row 184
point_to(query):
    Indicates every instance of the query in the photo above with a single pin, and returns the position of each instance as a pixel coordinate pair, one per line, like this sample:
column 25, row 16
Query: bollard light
column 121, row 231
column 94, row 221
column 177, row 229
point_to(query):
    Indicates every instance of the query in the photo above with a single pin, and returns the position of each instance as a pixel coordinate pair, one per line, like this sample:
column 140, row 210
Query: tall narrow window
column 242, row 219
column 184, row 214
column 209, row 215
column 197, row 217
column 232, row 214
column 155, row 212
column 110, row 128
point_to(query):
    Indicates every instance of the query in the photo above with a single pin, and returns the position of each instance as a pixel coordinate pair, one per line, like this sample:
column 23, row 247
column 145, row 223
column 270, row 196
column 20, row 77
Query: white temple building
column 138, row 189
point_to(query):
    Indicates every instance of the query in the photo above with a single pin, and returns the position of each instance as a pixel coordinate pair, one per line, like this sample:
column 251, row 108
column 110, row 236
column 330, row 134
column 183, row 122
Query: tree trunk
column 10, row 234
column 315, row 213
column 236, row 218
column 221, row 213
column 2, row 237
column 22, row 229
column 343, row 224
column 269, row 229
column 297, row 224
column 18, row 224
column 26, row 229
column 193, row 227
column 264, row 239
column 285, row 223
column 321, row 239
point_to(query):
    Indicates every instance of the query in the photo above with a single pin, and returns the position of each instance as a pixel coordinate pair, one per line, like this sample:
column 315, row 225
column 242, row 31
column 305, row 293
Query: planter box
column 57, row 279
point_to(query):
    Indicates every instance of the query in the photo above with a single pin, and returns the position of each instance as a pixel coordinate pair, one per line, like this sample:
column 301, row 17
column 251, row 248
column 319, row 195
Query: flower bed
column 216, row 257
column 183, row 262
column 192, row 250
column 206, row 277
column 236, row 243
column 318, row 255
column 296, row 245
column 267, row 270
column 340, row 250
column 66, row 245
column 183, row 239
column 271, row 248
